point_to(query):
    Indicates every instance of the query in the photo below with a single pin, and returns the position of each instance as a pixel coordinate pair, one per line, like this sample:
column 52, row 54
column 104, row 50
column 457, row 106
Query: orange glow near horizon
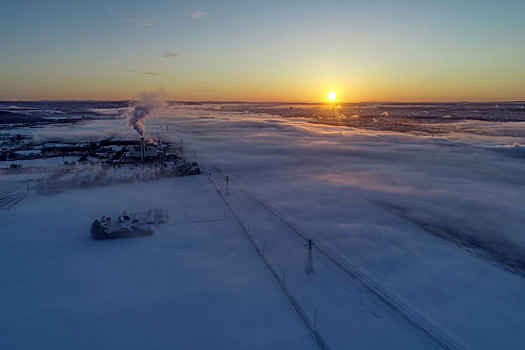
column 332, row 96
column 124, row 85
column 407, row 56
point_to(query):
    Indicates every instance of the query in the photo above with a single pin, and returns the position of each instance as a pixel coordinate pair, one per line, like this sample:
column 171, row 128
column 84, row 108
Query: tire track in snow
column 316, row 336
column 415, row 319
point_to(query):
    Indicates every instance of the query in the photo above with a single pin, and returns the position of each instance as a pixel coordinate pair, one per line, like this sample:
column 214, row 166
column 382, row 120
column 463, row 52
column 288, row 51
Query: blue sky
column 264, row 50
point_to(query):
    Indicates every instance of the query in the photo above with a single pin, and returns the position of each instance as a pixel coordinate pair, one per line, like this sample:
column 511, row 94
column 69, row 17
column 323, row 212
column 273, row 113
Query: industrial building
column 144, row 150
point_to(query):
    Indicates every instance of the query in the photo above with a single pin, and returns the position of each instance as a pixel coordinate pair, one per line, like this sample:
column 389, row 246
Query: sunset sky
column 264, row 50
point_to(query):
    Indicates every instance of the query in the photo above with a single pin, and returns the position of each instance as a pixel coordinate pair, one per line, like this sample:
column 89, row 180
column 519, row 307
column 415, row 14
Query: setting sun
column 332, row 96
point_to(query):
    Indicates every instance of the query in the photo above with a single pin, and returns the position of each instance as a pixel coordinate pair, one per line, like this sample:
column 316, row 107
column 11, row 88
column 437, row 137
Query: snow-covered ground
column 191, row 285
column 38, row 162
column 429, row 230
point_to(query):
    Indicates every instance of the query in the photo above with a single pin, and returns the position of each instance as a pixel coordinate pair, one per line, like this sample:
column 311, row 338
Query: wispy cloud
column 203, row 89
column 170, row 54
column 143, row 72
column 139, row 20
column 197, row 14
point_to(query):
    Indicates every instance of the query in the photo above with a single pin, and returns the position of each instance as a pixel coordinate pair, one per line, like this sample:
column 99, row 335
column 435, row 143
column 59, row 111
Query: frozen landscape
column 416, row 212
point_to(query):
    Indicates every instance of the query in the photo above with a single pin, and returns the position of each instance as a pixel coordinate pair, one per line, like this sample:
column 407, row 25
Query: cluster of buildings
column 111, row 151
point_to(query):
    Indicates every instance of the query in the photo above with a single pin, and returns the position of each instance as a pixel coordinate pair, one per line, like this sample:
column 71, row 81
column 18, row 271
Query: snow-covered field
column 191, row 285
column 420, row 243
column 51, row 161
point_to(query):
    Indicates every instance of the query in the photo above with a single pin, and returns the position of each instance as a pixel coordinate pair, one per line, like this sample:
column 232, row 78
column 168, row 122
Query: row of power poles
column 309, row 269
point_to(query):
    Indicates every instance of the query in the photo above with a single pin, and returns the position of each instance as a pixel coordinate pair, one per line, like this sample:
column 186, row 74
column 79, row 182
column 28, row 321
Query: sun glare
column 332, row 96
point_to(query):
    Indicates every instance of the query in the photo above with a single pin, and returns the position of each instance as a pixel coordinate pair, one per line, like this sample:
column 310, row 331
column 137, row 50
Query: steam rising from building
column 147, row 102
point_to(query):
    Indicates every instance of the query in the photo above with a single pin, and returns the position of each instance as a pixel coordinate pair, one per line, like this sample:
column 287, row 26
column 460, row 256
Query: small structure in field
column 128, row 224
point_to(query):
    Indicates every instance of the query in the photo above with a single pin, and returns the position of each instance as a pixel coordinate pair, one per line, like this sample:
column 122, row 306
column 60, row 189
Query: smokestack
column 146, row 104
column 142, row 147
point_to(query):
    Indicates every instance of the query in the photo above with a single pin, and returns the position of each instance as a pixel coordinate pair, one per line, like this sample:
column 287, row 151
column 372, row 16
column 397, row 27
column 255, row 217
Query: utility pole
column 309, row 269
column 227, row 180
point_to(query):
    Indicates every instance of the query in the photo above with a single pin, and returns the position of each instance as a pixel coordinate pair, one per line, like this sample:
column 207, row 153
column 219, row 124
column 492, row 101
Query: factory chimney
column 142, row 147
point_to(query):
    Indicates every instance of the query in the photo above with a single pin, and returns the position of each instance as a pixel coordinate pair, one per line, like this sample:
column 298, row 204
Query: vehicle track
column 312, row 331
column 415, row 319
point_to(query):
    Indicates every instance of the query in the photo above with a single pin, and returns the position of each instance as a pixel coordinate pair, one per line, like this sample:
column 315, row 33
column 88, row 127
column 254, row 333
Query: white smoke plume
column 147, row 102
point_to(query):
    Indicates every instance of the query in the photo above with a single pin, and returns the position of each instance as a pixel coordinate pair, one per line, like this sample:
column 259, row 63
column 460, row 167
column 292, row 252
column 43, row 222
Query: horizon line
column 282, row 102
